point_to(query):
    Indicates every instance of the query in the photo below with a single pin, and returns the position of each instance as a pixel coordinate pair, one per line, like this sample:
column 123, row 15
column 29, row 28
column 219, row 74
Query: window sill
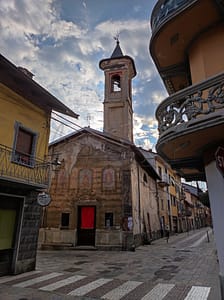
column 24, row 164
column 64, row 227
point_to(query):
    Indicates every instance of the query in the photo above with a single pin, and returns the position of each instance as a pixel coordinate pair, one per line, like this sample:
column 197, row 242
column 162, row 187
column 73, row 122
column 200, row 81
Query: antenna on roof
column 88, row 118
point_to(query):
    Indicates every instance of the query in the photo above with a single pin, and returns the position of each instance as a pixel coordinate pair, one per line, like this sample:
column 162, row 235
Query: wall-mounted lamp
column 56, row 163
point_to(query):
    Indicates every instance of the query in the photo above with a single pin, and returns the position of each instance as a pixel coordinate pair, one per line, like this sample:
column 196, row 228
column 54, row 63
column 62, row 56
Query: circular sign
column 43, row 199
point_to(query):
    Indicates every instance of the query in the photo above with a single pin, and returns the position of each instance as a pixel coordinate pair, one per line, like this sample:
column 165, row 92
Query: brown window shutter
column 24, row 142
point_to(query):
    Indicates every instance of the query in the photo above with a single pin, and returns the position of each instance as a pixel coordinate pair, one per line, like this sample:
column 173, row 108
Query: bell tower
column 119, row 70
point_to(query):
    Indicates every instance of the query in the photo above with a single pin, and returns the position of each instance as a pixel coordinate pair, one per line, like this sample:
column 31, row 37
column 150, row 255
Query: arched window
column 116, row 83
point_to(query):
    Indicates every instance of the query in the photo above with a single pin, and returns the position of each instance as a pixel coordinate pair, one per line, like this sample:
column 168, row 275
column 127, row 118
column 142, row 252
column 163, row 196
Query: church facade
column 104, row 192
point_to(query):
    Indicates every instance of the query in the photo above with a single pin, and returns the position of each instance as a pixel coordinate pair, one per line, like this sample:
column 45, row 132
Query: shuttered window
column 24, row 142
column 24, row 146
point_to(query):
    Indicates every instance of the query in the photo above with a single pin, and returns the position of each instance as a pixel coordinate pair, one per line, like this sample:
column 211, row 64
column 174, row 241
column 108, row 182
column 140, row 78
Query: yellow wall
column 15, row 108
column 206, row 54
column 174, row 211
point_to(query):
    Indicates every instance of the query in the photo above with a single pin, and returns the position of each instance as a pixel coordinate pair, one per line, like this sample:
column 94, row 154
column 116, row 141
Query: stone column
column 215, row 182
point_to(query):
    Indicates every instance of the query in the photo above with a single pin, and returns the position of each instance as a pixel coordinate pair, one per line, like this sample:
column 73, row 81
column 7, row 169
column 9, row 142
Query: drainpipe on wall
column 169, row 210
column 139, row 201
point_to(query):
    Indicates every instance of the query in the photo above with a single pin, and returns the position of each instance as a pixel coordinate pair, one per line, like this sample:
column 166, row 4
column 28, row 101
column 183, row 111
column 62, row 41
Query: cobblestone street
column 183, row 269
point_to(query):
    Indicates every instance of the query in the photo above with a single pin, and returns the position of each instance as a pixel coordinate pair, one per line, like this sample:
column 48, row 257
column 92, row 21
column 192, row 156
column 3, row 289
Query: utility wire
column 63, row 123
column 120, row 143
column 67, row 120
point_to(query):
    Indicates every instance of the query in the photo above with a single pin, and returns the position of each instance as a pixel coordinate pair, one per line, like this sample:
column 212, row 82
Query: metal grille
column 37, row 174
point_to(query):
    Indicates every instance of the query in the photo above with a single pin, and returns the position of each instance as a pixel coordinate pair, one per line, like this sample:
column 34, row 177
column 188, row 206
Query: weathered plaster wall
column 145, row 208
column 94, row 154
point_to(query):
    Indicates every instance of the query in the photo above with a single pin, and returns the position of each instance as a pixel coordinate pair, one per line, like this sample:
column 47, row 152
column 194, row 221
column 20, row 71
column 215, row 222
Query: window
column 108, row 220
column 24, row 145
column 160, row 171
column 173, row 200
column 65, row 220
column 145, row 178
column 162, row 204
column 116, row 83
column 168, row 203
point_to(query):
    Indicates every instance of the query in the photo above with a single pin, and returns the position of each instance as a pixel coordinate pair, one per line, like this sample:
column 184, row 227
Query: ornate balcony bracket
column 191, row 103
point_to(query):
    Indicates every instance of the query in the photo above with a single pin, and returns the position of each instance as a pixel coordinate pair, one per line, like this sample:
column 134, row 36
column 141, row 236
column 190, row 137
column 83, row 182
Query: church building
column 104, row 192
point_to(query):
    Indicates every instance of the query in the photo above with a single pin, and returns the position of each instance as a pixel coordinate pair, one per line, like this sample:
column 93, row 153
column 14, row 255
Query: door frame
column 79, row 209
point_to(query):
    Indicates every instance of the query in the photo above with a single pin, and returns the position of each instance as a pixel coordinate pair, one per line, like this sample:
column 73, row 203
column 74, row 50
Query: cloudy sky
column 62, row 41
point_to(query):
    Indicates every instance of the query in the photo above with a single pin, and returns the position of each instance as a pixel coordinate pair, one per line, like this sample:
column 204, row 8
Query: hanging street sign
column 43, row 199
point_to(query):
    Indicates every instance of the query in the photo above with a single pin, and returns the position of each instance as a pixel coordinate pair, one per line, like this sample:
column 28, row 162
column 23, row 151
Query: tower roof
column 117, row 51
column 118, row 54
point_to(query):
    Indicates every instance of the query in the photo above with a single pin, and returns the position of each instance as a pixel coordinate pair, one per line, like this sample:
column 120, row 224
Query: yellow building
column 25, row 111
column 198, row 214
column 168, row 194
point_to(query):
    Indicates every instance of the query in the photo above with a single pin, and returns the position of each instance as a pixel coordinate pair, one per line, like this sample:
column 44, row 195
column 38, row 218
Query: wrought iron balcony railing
column 165, row 9
column 192, row 103
column 36, row 174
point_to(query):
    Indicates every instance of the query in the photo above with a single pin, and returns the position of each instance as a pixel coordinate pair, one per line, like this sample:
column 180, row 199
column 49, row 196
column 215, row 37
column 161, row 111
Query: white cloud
column 64, row 56
column 158, row 96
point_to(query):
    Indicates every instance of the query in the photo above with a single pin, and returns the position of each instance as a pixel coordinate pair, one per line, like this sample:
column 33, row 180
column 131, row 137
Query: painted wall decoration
column 108, row 178
column 85, row 179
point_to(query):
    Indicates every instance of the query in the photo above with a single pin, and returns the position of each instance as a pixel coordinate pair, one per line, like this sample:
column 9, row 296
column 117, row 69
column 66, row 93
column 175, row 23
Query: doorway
column 86, row 226
column 9, row 216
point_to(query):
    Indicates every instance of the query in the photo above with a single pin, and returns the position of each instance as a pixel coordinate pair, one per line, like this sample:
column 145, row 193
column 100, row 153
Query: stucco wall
column 18, row 109
column 202, row 63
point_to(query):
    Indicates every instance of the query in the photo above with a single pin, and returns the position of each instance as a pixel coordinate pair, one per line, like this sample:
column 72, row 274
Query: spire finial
column 117, row 51
column 116, row 37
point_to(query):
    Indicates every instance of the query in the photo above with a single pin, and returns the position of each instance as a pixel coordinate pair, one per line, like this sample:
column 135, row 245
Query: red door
column 86, row 226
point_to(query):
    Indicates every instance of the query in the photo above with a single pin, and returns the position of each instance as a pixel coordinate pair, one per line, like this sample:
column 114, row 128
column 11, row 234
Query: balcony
column 190, row 121
column 17, row 170
column 164, row 9
column 175, row 24
column 164, row 180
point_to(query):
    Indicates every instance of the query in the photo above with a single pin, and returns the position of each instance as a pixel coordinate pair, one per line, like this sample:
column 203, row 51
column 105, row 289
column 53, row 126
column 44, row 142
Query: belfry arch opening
column 116, row 83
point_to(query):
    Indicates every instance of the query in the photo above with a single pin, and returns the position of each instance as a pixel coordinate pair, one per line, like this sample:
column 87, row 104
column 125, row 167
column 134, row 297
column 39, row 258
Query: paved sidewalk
column 188, row 260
